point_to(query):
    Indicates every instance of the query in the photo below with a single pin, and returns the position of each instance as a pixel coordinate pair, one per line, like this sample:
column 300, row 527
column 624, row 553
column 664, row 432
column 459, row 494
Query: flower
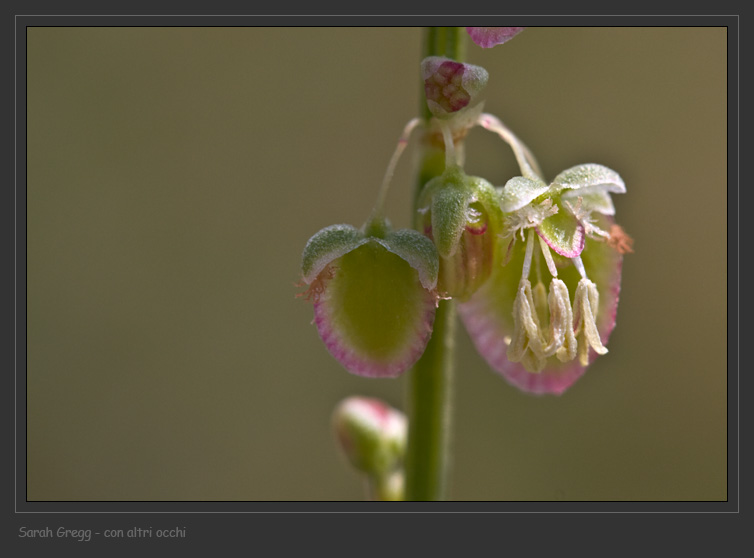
column 488, row 37
column 462, row 216
column 542, row 340
column 374, row 296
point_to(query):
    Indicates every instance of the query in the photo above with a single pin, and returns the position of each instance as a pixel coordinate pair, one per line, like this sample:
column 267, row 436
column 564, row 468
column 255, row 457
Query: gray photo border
column 200, row 513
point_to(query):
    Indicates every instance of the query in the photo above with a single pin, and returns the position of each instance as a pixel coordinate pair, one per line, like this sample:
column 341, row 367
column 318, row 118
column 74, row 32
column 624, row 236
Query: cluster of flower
column 535, row 267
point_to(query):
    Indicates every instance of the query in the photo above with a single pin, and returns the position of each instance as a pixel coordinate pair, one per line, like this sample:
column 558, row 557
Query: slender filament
column 402, row 143
column 526, row 161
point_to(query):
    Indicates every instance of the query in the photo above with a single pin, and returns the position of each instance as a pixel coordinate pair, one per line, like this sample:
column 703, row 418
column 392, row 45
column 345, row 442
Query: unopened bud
column 451, row 86
column 371, row 434
column 462, row 217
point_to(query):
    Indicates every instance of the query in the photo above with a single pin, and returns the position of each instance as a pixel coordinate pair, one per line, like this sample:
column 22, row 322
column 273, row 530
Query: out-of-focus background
column 175, row 174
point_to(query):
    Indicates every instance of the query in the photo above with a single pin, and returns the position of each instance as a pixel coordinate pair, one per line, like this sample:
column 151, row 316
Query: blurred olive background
column 175, row 174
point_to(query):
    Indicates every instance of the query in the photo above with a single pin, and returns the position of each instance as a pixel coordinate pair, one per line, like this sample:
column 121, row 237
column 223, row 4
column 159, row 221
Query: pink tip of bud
column 371, row 434
column 488, row 37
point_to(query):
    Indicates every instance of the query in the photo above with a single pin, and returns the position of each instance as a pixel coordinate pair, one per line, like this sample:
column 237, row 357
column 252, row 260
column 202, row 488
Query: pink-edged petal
column 488, row 37
column 488, row 315
column 327, row 245
column 563, row 233
column 372, row 312
column 417, row 250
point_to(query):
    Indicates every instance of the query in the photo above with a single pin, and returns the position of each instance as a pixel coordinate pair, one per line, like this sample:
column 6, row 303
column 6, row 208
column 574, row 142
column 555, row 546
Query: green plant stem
column 430, row 383
column 427, row 459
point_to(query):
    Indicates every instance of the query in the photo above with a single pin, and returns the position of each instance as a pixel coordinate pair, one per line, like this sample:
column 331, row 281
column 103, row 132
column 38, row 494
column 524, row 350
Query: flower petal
column 591, row 176
column 488, row 37
column 373, row 313
column 418, row 251
column 563, row 233
column 488, row 315
column 519, row 192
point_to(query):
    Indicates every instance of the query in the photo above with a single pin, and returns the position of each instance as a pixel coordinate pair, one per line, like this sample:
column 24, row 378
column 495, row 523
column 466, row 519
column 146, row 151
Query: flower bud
column 451, row 86
column 371, row 434
column 462, row 216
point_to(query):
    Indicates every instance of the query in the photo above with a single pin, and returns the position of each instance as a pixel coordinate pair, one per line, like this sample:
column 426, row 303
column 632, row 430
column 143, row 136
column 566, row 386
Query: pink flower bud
column 371, row 434
column 451, row 86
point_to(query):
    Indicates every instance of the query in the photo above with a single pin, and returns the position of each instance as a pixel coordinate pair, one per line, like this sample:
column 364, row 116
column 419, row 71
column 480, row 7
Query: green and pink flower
column 549, row 308
column 374, row 295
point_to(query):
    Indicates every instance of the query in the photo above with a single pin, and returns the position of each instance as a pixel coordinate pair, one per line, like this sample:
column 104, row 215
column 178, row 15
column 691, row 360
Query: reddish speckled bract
column 445, row 88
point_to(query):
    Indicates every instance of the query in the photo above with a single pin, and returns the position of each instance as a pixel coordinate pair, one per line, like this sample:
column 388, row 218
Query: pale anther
column 526, row 329
column 586, row 303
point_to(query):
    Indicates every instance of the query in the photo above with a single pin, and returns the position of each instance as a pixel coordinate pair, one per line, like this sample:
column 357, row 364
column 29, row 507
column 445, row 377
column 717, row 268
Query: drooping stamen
column 526, row 161
column 584, row 216
column 586, row 303
column 527, row 342
column 558, row 312
column 517, row 345
column 526, row 337
column 533, row 363
column 527, row 256
column 561, row 322
column 539, row 294
column 579, row 266
column 548, row 256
